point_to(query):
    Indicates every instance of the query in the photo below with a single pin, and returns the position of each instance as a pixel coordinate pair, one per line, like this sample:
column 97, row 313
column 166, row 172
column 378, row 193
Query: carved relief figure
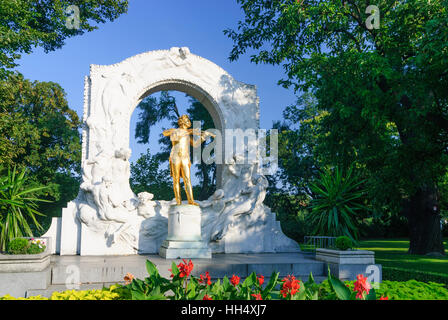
column 211, row 217
column 146, row 206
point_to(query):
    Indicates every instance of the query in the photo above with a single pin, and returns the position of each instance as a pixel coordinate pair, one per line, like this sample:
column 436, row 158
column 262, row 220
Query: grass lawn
column 393, row 253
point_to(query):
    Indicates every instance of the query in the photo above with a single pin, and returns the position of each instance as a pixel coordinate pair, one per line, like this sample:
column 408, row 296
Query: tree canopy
column 27, row 24
column 38, row 130
column 381, row 93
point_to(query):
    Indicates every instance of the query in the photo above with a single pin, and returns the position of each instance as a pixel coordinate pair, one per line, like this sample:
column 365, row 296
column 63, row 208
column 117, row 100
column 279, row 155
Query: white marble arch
column 107, row 218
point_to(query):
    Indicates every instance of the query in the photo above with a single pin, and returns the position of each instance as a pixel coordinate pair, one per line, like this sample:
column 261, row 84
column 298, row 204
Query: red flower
column 257, row 296
column 260, row 279
column 290, row 286
column 205, row 279
column 384, row 298
column 361, row 286
column 184, row 268
column 235, row 280
column 206, row 297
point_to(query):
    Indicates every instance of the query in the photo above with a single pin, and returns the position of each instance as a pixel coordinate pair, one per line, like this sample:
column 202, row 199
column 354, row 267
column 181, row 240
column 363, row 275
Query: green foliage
column 291, row 212
column 18, row 206
column 183, row 286
column 394, row 290
column 343, row 243
column 35, row 248
column 27, row 24
column 381, row 98
column 393, row 253
column 18, row 246
column 413, row 290
column 146, row 175
column 338, row 198
column 39, row 131
column 25, row 246
column 155, row 287
column 402, row 274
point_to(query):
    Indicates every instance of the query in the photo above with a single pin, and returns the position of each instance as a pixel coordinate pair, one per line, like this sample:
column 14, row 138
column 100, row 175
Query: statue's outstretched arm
column 168, row 132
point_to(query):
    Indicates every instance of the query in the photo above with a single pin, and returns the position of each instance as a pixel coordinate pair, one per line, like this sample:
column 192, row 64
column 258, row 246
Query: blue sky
column 154, row 25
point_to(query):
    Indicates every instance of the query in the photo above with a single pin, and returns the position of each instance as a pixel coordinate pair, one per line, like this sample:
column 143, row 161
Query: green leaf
column 250, row 280
column 271, row 285
column 174, row 269
column 371, row 295
column 151, row 269
column 342, row 292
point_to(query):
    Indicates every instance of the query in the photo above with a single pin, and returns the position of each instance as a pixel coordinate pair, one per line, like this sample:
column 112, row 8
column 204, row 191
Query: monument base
column 184, row 234
column 172, row 249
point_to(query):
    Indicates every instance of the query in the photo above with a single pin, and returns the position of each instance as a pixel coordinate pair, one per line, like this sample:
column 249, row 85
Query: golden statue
column 181, row 139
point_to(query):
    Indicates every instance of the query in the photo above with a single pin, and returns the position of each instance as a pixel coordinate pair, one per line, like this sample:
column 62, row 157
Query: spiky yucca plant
column 338, row 197
column 18, row 206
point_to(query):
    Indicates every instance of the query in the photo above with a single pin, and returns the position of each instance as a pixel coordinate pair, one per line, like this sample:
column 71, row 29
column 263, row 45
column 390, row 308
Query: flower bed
column 27, row 246
column 26, row 255
column 183, row 286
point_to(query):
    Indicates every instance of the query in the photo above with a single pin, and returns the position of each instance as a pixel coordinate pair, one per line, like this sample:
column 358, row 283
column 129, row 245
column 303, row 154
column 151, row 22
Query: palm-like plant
column 17, row 207
column 338, row 197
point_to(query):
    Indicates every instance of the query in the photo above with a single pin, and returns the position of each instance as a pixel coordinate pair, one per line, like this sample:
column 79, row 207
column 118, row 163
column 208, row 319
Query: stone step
column 87, row 269
column 96, row 272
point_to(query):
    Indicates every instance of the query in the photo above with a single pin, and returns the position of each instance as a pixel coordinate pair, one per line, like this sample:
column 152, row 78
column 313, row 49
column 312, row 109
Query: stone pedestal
column 184, row 234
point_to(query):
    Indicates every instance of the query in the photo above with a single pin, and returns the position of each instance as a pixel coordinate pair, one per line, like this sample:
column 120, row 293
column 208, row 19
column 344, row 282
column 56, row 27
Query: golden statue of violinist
column 181, row 139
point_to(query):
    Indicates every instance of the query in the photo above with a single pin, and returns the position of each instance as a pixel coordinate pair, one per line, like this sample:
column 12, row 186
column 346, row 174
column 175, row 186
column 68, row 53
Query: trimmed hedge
column 398, row 274
column 397, row 290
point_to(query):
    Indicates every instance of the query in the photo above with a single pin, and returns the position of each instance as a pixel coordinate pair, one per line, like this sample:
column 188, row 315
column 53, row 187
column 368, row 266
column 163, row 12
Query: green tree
column 147, row 175
column 27, row 24
column 40, row 132
column 383, row 91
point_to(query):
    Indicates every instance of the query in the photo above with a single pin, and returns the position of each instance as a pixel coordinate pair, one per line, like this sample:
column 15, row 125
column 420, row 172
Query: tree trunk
column 422, row 211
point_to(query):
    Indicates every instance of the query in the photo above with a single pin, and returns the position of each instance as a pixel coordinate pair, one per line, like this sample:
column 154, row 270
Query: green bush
column 34, row 248
column 395, row 290
column 398, row 274
column 25, row 246
column 343, row 243
column 413, row 290
column 18, row 246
